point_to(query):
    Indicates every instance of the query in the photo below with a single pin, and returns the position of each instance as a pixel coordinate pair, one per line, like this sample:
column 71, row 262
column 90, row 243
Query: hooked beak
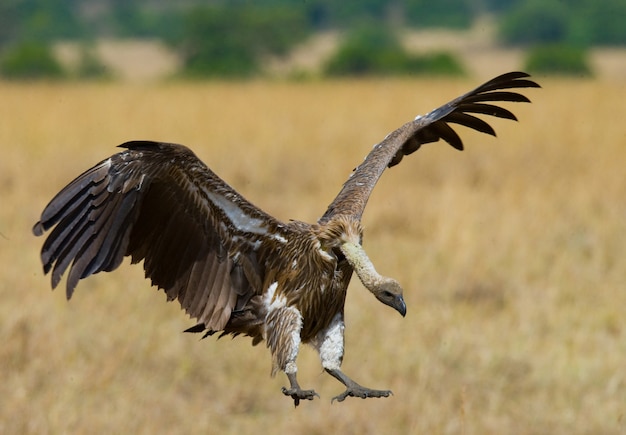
column 399, row 305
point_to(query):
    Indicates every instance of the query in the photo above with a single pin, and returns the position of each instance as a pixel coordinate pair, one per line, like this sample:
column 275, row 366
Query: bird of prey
column 231, row 266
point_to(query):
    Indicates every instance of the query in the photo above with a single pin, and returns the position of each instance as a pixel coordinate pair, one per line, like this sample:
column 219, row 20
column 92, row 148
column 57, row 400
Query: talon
column 298, row 394
column 361, row 392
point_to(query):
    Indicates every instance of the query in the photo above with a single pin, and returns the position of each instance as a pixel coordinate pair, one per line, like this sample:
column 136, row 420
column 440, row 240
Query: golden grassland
column 512, row 256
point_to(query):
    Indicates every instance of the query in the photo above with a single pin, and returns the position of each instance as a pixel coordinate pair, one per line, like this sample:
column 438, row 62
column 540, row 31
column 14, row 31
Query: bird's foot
column 362, row 392
column 298, row 394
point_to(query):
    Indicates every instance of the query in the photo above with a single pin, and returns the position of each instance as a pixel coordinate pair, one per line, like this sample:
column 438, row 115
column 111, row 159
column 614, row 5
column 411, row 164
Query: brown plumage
column 234, row 268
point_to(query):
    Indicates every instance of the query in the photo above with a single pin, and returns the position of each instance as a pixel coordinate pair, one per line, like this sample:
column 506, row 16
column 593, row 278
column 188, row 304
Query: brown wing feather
column 355, row 193
column 201, row 242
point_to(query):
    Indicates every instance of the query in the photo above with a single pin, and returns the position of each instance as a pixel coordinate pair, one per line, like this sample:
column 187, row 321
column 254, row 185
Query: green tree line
column 229, row 37
column 587, row 22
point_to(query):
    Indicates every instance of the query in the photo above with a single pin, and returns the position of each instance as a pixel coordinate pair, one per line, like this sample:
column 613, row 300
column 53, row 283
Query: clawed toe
column 353, row 389
column 361, row 392
column 298, row 394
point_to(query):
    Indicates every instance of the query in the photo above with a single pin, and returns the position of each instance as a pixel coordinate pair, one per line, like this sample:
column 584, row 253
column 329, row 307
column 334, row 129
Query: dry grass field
column 512, row 255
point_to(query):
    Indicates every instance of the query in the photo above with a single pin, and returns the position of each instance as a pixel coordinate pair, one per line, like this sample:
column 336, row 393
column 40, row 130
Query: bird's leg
column 330, row 345
column 353, row 389
column 297, row 393
column 283, row 326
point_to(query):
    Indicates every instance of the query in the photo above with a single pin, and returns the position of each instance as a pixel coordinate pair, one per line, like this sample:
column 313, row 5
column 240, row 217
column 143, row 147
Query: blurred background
column 153, row 39
column 511, row 253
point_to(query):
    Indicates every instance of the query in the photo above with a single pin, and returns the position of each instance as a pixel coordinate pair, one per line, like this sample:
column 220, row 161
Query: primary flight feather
column 232, row 267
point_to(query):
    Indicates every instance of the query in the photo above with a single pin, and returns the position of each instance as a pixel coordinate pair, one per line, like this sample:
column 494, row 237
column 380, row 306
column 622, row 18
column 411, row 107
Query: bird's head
column 389, row 292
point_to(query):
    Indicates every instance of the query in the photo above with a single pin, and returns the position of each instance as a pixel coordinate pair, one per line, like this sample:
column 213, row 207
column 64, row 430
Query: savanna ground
column 512, row 256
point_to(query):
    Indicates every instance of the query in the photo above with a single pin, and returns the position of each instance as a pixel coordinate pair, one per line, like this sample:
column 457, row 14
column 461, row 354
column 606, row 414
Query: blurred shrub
column 42, row 20
column 580, row 22
column 558, row 59
column 438, row 63
column 30, row 60
column 369, row 49
column 599, row 22
column 230, row 40
column 536, row 21
column 375, row 50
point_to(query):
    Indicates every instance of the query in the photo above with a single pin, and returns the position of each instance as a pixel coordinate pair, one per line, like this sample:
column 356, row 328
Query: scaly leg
column 296, row 392
column 283, row 325
column 330, row 344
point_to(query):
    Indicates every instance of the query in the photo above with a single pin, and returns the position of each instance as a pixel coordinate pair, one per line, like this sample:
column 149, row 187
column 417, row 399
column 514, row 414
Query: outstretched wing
column 200, row 240
column 356, row 191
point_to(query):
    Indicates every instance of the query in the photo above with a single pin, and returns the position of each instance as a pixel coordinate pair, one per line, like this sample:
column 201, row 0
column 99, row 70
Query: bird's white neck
column 362, row 265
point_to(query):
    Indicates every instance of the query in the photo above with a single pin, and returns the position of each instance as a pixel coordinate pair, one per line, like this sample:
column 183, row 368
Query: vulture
column 234, row 268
